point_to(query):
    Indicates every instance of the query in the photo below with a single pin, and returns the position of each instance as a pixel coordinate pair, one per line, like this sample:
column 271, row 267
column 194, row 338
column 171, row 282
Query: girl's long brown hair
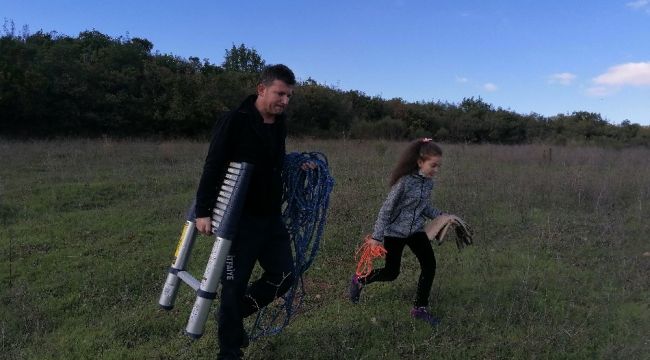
column 408, row 161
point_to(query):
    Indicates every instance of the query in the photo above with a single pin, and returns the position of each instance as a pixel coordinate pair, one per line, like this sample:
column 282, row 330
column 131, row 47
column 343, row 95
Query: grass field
column 560, row 268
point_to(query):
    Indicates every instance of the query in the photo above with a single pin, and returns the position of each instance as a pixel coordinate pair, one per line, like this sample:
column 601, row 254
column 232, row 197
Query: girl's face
column 430, row 165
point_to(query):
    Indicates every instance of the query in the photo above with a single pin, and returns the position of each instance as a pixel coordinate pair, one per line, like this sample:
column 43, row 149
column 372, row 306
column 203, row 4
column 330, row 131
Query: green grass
column 557, row 271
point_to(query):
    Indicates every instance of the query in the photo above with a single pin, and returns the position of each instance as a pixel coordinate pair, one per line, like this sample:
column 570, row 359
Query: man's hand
column 308, row 165
column 204, row 225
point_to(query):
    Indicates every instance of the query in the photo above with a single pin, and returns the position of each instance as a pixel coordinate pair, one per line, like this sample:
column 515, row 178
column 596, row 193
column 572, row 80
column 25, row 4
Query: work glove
column 437, row 229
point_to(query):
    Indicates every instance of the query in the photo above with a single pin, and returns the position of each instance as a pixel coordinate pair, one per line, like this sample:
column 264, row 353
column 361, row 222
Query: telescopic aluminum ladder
column 225, row 216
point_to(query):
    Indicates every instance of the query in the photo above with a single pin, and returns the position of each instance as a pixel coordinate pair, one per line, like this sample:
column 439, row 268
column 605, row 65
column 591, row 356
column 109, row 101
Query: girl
column 401, row 223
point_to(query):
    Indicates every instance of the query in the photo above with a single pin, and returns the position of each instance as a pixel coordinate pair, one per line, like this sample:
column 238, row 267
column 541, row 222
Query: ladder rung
column 189, row 279
column 225, row 194
column 221, row 206
column 234, row 171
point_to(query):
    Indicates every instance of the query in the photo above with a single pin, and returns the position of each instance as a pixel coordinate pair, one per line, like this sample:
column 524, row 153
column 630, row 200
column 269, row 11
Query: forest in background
column 94, row 85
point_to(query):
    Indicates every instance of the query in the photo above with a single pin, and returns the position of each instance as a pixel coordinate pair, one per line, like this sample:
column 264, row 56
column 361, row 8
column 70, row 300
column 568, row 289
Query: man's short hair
column 277, row 72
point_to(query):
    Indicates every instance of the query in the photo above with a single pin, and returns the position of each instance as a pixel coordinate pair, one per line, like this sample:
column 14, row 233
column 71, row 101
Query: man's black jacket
column 242, row 136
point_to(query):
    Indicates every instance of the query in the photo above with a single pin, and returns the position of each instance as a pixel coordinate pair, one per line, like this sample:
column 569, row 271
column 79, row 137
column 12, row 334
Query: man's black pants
column 262, row 239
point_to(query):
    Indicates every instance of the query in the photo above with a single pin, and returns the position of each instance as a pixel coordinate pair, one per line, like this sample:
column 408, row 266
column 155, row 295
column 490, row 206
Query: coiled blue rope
column 306, row 195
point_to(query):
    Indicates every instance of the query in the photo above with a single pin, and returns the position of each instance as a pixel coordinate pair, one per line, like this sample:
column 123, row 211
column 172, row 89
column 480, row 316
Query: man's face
column 273, row 99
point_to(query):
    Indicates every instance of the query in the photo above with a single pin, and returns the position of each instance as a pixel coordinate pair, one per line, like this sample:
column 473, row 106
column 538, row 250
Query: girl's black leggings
column 421, row 246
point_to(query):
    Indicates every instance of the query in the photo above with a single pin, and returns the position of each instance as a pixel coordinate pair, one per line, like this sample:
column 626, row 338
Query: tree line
column 93, row 85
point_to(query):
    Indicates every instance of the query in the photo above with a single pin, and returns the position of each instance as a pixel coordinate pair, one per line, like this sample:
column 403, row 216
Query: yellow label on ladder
column 180, row 241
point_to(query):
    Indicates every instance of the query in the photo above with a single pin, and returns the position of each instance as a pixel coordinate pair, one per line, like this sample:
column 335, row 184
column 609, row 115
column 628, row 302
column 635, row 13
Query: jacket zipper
column 416, row 208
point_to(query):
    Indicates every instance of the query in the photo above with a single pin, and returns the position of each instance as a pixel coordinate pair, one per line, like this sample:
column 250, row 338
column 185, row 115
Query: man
column 255, row 133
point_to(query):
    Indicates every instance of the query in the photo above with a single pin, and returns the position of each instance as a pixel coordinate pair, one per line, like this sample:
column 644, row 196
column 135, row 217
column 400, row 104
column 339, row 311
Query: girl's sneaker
column 355, row 289
column 421, row 313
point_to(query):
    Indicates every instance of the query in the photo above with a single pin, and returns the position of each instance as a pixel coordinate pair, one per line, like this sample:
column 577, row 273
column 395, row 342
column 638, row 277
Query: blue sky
column 547, row 57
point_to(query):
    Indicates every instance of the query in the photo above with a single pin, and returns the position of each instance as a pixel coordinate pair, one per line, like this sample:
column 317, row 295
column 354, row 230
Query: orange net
column 365, row 254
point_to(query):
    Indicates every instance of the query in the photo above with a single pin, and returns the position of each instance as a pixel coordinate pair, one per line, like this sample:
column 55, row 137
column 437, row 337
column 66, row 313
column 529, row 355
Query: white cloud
column 619, row 76
column 461, row 79
column 638, row 4
column 600, row 91
column 637, row 74
column 564, row 78
column 490, row 87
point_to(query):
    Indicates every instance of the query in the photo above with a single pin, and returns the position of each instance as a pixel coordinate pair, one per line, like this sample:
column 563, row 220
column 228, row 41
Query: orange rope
column 366, row 253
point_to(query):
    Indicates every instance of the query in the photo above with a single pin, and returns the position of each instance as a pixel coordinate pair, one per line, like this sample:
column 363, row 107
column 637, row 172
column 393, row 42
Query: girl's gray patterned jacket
column 406, row 208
